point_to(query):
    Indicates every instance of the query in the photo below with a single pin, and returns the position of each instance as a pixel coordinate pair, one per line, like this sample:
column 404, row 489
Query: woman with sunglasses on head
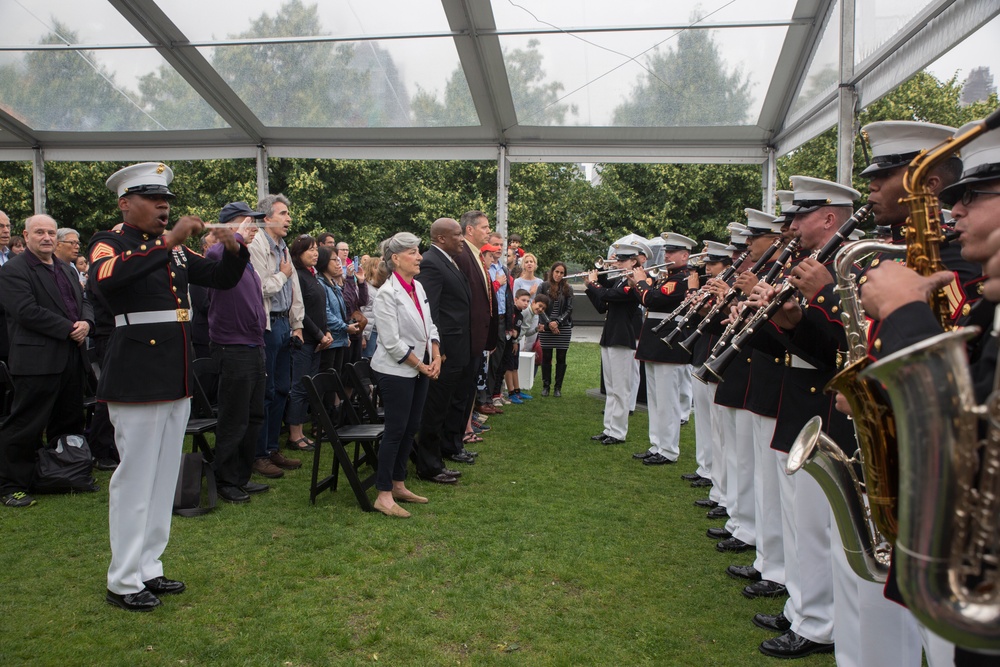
column 558, row 327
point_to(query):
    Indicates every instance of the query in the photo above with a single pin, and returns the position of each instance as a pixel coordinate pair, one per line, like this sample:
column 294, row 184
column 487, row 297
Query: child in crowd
column 526, row 320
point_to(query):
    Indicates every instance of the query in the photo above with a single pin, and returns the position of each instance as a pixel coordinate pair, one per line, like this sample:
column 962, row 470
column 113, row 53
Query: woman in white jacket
column 407, row 358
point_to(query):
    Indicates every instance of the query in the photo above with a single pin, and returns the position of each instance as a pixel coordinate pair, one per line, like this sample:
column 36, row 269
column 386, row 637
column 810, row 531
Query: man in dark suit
column 48, row 321
column 443, row 424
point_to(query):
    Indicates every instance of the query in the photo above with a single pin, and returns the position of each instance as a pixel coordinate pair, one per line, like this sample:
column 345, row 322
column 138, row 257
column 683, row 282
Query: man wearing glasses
column 68, row 247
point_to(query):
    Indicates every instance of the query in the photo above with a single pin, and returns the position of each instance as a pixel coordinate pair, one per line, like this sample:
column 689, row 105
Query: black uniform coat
column 138, row 273
column 662, row 297
column 620, row 304
column 37, row 322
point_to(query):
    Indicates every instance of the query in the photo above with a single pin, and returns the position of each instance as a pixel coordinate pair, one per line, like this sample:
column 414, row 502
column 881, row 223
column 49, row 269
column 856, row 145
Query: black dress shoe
column 706, row 502
column 451, row 473
column 106, row 464
column 690, row 476
column 164, row 586
column 599, row 437
column 462, row 457
column 764, row 589
column 775, row 623
column 642, row 455
column 439, row 478
column 255, row 487
column 608, row 440
column 141, row 601
column 557, row 393
column 733, row 544
column 718, row 533
column 656, row 460
column 719, row 512
column 234, row 494
column 791, row 645
column 744, row 572
column 701, row 482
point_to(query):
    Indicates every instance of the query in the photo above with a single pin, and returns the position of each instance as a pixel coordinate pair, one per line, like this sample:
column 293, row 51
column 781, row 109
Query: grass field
column 552, row 550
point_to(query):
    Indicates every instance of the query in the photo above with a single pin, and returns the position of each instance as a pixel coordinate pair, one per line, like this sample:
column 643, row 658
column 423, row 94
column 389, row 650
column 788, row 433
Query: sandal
column 297, row 446
column 471, row 438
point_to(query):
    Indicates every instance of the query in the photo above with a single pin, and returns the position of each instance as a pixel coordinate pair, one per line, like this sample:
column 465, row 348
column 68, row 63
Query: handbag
column 359, row 317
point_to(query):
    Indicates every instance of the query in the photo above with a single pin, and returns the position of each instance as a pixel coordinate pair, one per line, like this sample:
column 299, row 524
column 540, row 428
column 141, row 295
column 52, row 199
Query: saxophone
column 947, row 552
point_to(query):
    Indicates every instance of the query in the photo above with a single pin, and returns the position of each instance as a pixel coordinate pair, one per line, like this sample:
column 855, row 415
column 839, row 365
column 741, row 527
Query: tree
column 536, row 101
column 689, row 85
column 922, row 98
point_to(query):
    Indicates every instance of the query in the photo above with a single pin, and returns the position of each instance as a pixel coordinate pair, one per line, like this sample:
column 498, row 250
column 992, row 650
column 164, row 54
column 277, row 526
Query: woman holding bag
column 407, row 358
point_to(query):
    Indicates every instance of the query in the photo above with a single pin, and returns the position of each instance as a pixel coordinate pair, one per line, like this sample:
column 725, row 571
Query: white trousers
column 617, row 363
column 939, row 651
column 150, row 437
column 805, row 522
column 636, row 381
column 687, row 407
column 868, row 629
column 740, row 478
column 770, row 558
column 719, row 473
column 665, row 398
column 704, row 435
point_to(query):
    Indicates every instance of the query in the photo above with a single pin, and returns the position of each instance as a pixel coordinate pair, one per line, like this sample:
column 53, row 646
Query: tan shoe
column 407, row 496
column 267, row 469
column 393, row 510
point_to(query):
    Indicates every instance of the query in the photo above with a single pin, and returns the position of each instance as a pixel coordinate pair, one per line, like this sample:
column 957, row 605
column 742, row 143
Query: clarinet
column 700, row 298
column 717, row 365
column 722, row 304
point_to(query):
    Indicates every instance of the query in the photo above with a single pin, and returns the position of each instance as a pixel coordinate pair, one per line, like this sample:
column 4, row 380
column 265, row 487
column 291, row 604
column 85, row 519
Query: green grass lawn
column 552, row 550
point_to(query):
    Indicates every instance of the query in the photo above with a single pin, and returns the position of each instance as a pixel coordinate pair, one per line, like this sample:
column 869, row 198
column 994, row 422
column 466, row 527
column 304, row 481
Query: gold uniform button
column 777, row 360
column 820, row 299
column 159, row 242
column 878, row 344
column 966, row 309
column 142, row 247
column 748, row 360
column 863, row 280
column 152, row 341
column 812, row 390
column 173, row 275
column 980, row 287
column 178, row 301
column 834, row 309
column 174, row 288
column 875, row 262
column 128, row 252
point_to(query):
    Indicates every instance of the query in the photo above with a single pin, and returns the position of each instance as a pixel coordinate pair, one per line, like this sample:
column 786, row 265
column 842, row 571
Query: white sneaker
column 497, row 402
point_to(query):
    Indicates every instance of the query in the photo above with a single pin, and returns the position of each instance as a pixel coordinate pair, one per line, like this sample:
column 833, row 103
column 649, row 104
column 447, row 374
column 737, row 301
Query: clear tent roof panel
column 638, row 78
column 876, row 21
column 822, row 74
column 91, row 22
column 231, row 19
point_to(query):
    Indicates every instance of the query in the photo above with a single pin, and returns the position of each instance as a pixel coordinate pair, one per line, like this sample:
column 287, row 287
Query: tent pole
column 38, row 179
column 846, row 96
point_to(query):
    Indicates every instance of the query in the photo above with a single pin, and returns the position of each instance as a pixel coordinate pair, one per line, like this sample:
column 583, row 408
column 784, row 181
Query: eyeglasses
column 73, row 243
column 970, row 195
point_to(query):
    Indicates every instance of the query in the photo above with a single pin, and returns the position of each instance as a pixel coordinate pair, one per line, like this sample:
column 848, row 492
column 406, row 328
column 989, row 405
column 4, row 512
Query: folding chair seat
column 339, row 425
column 359, row 374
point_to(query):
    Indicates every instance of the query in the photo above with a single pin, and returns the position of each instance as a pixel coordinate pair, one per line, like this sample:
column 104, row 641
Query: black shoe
column 701, row 482
column 451, row 473
column 642, row 455
column 255, row 487
column 608, row 440
column 234, row 494
column 690, row 476
column 164, row 586
column 557, row 393
column 684, row 422
column 599, row 437
column 462, row 457
column 656, row 460
column 719, row 512
column 744, row 572
column 733, row 544
column 791, row 645
column 718, row 533
column 775, row 623
column 545, row 391
column 706, row 502
column 470, row 453
column 439, row 478
column 106, row 464
column 17, row 499
column 764, row 589
column 141, row 601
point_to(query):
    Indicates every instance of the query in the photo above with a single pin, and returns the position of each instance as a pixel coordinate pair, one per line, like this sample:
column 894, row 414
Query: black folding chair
column 7, row 389
column 340, row 426
column 359, row 374
column 203, row 417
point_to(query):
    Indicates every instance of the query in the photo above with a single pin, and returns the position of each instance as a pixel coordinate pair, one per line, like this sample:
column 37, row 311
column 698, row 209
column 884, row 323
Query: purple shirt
column 236, row 316
column 62, row 282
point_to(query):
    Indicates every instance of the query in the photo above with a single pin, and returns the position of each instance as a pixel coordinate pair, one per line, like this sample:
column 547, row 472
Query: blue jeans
column 279, row 381
column 305, row 361
column 403, row 398
column 369, row 350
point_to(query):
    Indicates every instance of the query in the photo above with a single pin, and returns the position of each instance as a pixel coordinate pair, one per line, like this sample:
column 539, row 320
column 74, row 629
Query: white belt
column 799, row 362
column 153, row 317
column 653, row 315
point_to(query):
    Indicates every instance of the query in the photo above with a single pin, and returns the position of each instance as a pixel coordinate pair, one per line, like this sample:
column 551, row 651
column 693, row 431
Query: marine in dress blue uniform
column 143, row 274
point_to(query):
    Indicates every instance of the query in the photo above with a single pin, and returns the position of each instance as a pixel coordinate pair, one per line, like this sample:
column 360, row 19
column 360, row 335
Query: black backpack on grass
column 195, row 473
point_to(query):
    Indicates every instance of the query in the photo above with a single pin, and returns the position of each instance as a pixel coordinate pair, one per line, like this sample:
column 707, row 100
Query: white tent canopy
column 507, row 80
